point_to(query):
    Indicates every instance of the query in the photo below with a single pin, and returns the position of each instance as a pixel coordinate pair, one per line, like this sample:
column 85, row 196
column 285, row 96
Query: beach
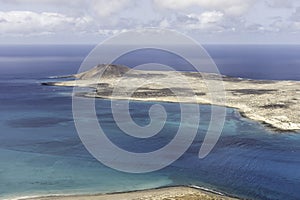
column 167, row 193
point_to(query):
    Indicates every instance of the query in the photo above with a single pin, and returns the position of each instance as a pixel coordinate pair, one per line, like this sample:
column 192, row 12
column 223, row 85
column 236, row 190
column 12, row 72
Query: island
column 275, row 104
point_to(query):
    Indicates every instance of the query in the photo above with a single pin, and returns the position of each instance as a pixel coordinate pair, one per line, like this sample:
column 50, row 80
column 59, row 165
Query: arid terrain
column 273, row 103
column 169, row 193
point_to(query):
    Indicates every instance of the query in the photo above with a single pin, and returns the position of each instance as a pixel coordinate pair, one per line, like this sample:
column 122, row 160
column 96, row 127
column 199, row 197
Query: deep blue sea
column 41, row 153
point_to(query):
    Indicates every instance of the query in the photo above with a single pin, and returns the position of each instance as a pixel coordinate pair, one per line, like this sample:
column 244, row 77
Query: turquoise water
column 41, row 153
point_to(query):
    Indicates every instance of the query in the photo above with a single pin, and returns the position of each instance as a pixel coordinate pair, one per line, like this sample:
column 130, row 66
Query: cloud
column 105, row 8
column 27, row 22
column 280, row 3
column 56, row 3
column 105, row 17
column 93, row 18
column 209, row 21
column 210, row 17
column 205, row 21
column 109, row 32
column 255, row 28
column 296, row 15
column 290, row 25
column 278, row 25
column 164, row 23
column 230, row 7
column 295, row 21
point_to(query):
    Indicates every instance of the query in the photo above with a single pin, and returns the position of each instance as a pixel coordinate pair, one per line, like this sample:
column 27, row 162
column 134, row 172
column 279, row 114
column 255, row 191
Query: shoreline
column 274, row 104
column 192, row 192
column 242, row 114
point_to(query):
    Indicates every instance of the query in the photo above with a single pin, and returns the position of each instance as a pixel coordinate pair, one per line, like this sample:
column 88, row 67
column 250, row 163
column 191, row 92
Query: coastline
column 274, row 104
column 262, row 122
column 161, row 193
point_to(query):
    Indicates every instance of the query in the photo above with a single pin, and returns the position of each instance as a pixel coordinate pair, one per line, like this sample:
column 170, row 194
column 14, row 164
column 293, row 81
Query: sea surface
column 41, row 153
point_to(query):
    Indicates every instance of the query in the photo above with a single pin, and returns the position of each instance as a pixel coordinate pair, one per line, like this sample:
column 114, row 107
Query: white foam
column 207, row 189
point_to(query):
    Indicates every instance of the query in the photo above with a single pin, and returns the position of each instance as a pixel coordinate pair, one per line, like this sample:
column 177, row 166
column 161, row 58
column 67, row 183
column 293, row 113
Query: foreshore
column 275, row 104
column 164, row 193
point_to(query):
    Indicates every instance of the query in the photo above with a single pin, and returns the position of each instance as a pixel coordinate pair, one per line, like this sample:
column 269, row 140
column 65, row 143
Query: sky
column 92, row 21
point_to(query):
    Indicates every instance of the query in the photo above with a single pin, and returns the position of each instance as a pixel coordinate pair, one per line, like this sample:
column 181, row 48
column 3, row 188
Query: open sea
column 41, row 153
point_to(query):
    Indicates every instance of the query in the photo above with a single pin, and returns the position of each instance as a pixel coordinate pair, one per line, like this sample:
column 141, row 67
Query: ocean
column 41, row 153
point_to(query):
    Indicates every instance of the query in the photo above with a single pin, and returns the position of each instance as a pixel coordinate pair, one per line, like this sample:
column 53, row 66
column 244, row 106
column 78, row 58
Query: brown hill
column 103, row 71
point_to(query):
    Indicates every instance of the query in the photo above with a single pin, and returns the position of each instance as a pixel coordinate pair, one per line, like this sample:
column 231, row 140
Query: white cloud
column 95, row 16
column 280, row 3
column 210, row 17
column 96, row 8
column 230, row 7
column 295, row 21
column 296, row 26
column 27, row 22
column 109, row 32
column 296, row 15
column 164, row 23
column 255, row 28
column 85, row 18
column 105, row 8
column 278, row 25
column 205, row 21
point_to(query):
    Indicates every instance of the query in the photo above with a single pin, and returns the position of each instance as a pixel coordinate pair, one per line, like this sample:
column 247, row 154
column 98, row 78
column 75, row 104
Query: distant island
column 273, row 103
